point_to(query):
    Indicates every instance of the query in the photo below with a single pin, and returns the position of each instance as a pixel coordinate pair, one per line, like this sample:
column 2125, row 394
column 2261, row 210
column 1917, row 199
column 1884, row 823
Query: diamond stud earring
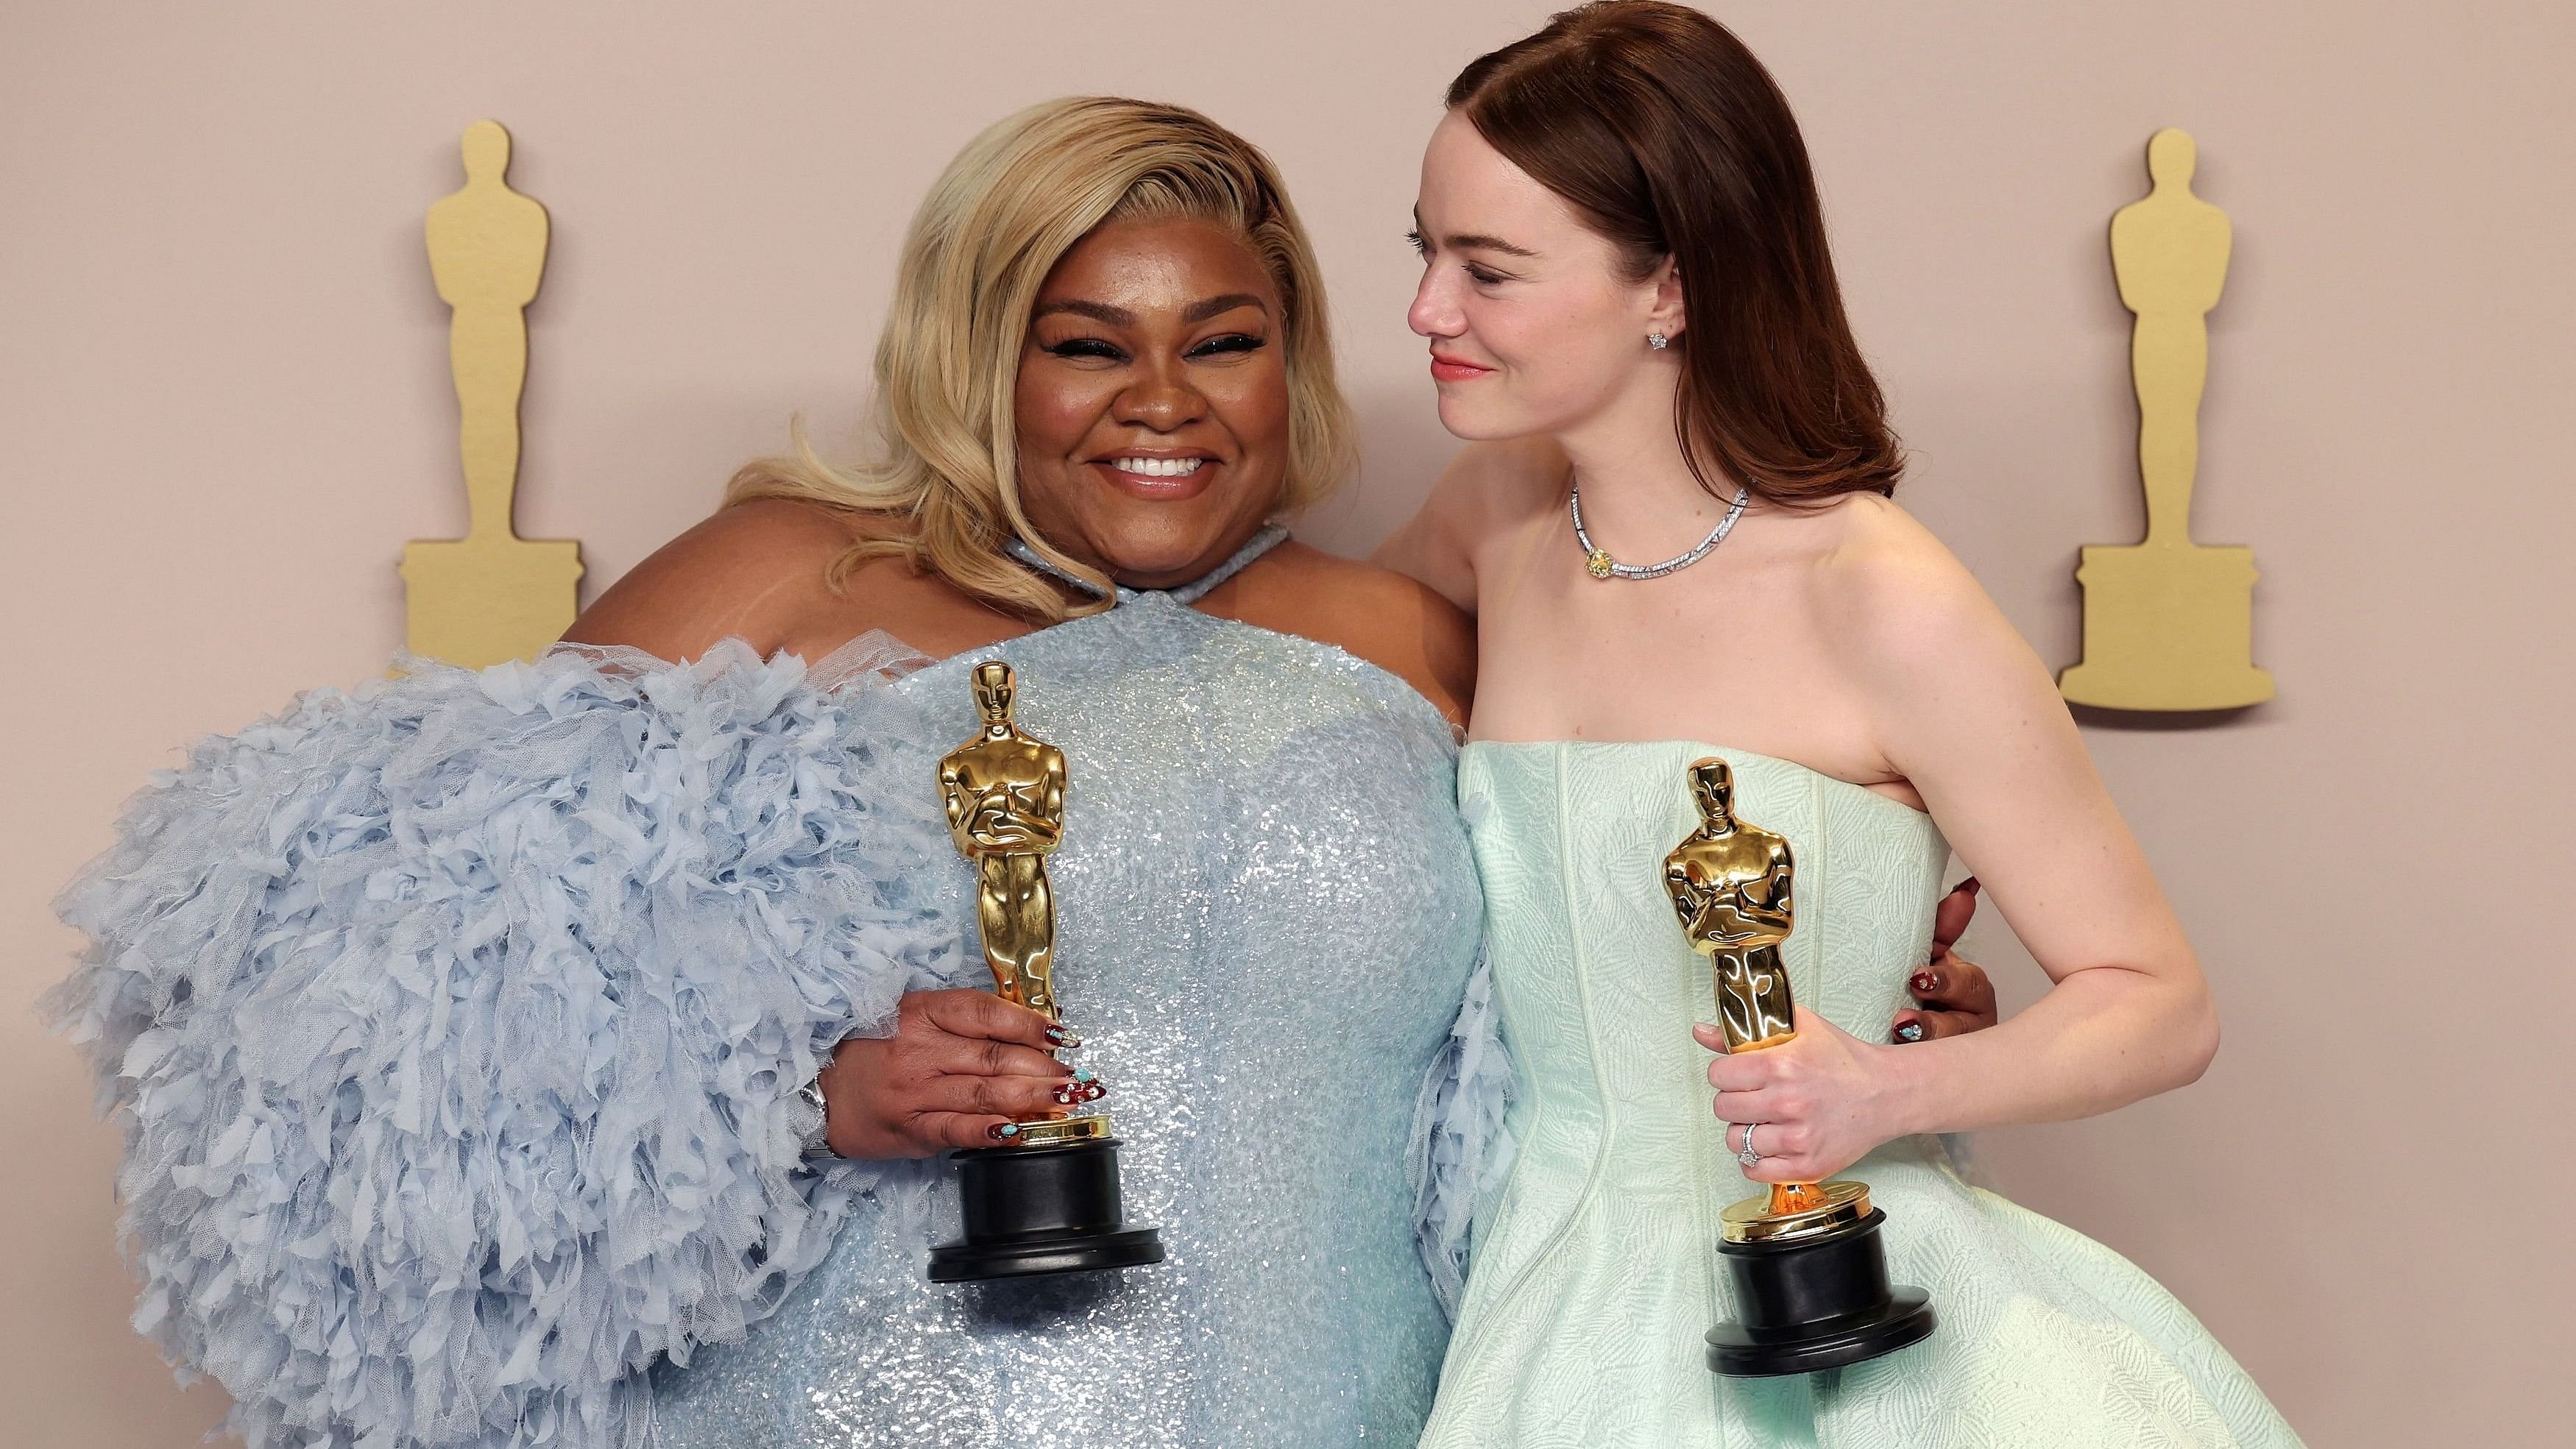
column 1658, row 341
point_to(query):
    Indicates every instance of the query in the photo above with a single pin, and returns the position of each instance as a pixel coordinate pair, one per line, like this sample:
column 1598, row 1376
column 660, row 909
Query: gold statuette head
column 996, row 693
column 1712, row 786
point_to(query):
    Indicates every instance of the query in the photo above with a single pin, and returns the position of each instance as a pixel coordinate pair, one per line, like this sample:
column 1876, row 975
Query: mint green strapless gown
column 1596, row 1273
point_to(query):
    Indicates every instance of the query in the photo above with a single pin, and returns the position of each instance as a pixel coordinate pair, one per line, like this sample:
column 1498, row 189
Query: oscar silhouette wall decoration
column 2168, row 623
column 490, row 595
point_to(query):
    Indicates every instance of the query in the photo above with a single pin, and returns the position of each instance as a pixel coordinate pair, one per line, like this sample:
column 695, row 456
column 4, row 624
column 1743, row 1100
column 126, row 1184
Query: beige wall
column 223, row 400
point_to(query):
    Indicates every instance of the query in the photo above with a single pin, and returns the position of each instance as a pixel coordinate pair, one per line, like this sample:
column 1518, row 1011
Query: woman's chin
column 1165, row 568
column 1155, row 544
column 1470, row 423
column 1147, row 544
column 1162, row 557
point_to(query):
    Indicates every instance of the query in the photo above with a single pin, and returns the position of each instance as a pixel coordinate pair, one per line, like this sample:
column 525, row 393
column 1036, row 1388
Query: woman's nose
column 1434, row 312
column 1162, row 400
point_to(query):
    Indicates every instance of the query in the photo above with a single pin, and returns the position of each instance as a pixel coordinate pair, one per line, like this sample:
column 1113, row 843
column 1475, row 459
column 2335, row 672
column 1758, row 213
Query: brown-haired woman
column 1677, row 538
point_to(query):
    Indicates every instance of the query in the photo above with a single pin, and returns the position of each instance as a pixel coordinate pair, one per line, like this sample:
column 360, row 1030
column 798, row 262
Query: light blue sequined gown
column 456, row 1027
column 1266, row 917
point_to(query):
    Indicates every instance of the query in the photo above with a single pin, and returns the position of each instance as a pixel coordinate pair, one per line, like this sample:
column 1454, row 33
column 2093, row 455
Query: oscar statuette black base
column 1815, row 1303
column 1051, row 1209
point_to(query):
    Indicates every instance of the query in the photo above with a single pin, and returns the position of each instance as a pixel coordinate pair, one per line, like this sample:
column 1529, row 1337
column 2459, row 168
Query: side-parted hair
column 1670, row 140
column 994, row 225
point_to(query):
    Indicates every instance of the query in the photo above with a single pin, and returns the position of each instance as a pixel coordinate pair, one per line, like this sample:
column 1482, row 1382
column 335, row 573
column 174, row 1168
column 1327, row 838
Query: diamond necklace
column 1599, row 564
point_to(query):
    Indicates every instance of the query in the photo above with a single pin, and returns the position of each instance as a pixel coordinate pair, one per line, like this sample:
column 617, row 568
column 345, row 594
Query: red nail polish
column 1924, row 982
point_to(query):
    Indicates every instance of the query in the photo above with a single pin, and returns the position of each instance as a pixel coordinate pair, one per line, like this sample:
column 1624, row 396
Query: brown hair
column 1671, row 140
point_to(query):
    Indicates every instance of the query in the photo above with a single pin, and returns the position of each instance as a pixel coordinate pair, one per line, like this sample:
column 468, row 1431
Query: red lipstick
column 1445, row 368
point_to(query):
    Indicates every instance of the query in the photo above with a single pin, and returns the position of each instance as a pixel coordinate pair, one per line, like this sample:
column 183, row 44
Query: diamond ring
column 1748, row 1156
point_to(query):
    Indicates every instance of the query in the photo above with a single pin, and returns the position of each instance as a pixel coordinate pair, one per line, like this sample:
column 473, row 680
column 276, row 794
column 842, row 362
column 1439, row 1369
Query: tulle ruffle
column 1461, row 1147
column 455, row 1026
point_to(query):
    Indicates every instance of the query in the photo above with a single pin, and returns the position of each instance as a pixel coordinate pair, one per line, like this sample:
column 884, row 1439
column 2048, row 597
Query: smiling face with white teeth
column 1152, row 402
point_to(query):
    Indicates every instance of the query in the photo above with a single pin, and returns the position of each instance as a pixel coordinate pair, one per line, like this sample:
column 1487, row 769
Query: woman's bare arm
column 1967, row 714
column 1485, row 486
column 1974, row 721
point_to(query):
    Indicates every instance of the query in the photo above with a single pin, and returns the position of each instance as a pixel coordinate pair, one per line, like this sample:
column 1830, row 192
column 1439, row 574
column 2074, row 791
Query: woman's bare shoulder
column 1899, row 605
column 1865, row 536
column 1394, row 622
column 756, row 571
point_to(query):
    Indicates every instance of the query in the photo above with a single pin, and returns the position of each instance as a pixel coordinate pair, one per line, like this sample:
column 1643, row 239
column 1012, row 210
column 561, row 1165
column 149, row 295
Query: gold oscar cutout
column 490, row 595
column 2168, row 623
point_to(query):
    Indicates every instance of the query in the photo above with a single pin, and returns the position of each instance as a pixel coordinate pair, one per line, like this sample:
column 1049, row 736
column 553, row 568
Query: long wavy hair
column 1669, row 139
column 994, row 225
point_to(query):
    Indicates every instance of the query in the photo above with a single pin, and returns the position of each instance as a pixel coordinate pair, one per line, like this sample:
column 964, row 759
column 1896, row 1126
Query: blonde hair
column 994, row 225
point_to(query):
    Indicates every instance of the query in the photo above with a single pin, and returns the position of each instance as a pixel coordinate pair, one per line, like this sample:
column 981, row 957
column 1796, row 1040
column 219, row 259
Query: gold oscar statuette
column 1004, row 793
column 1046, row 1199
column 1809, row 1272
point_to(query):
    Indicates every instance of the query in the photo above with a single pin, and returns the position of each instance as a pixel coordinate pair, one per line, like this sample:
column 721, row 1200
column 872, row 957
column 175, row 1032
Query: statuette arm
column 1776, row 907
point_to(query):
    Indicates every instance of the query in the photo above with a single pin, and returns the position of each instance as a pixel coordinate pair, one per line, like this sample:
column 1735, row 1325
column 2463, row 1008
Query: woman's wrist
column 1910, row 1088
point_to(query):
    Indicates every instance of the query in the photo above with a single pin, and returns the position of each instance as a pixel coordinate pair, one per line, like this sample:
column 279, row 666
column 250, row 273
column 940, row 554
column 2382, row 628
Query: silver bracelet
column 817, row 1140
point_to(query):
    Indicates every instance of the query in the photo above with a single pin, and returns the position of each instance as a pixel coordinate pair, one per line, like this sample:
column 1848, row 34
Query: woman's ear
column 1667, row 318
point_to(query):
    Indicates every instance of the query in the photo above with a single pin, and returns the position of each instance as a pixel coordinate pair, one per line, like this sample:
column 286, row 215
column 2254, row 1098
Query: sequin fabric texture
column 1268, row 914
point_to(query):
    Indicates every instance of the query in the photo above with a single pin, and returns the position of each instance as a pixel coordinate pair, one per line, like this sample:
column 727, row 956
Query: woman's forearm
column 2100, row 1039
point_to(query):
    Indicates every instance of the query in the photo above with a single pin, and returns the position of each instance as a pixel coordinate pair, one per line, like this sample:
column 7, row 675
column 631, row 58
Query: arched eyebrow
column 1096, row 311
column 1191, row 316
column 1198, row 312
column 1476, row 241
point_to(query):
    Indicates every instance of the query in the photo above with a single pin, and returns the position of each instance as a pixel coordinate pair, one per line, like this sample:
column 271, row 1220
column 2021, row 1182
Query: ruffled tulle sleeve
column 1461, row 1144
column 455, row 1027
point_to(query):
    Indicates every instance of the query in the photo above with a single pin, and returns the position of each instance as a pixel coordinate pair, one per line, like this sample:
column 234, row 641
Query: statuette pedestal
column 1811, row 1289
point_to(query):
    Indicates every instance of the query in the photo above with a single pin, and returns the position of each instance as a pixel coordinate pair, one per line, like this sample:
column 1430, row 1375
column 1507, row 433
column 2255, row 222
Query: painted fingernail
column 1911, row 1031
column 1925, row 982
column 1003, row 1131
column 1062, row 1037
column 1971, row 885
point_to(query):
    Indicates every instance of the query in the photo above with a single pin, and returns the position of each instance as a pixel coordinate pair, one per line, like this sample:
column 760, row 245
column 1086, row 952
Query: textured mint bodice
column 1597, row 1273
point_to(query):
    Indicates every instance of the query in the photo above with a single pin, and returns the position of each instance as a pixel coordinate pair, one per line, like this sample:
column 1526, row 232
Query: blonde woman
column 1107, row 369
column 465, row 1029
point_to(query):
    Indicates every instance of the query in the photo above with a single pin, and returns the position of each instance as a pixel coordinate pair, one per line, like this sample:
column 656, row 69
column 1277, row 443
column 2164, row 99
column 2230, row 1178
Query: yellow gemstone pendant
column 1598, row 564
